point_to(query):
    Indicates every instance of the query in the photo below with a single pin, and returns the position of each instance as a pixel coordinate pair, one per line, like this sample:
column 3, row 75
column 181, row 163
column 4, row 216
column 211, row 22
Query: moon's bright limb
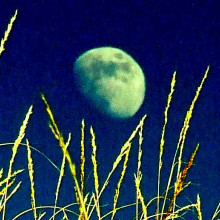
column 111, row 80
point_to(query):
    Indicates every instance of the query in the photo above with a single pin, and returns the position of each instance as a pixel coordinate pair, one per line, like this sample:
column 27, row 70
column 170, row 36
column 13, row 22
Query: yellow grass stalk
column 162, row 141
column 59, row 137
column 140, row 150
column 14, row 152
column 41, row 215
column 12, row 175
column 139, row 195
column 82, row 156
column 186, row 126
column 90, row 202
column 2, row 192
column 7, row 32
column 117, row 191
column 31, row 176
column 217, row 211
column 95, row 172
column 61, row 176
column 187, row 121
column 179, row 184
column 96, row 205
column 138, row 175
column 78, row 202
column 182, row 138
column 198, row 208
column 1, row 173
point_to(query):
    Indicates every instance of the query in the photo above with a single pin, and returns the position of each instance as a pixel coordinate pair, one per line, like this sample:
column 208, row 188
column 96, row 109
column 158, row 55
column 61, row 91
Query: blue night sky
column 162, row 36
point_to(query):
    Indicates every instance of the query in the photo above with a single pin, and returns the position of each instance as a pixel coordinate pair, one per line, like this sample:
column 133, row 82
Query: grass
column 89, row 203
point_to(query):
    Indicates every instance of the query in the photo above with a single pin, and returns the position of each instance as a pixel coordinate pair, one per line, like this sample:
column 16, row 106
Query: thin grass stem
column 31, row 177
column 7, row 32
column 162, row 141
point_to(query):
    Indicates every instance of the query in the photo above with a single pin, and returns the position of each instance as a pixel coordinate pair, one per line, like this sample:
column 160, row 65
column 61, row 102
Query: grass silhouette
column 89, row 203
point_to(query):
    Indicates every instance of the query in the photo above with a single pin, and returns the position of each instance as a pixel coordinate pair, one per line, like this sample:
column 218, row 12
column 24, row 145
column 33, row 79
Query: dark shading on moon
column 111, row 80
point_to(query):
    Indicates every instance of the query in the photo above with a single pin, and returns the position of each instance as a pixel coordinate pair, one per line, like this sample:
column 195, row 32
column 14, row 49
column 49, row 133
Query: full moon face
column 111, row 80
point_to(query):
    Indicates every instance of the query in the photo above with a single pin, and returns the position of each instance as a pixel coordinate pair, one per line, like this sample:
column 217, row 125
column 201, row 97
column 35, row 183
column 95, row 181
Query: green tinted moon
column 111, row 80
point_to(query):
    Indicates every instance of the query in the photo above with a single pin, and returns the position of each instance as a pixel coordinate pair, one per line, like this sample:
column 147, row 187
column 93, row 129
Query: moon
column 111, row 80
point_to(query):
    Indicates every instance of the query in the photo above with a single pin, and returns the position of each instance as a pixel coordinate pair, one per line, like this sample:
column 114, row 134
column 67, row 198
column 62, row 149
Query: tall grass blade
column 31, row 176
column 7, row 32
column 162, row 141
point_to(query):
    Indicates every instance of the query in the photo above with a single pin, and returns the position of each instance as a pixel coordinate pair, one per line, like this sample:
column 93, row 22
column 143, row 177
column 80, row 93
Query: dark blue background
column 162, row 36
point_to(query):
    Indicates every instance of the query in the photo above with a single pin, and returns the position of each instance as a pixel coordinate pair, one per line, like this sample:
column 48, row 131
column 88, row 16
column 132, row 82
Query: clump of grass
column 89, row 204
column 14, row 152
